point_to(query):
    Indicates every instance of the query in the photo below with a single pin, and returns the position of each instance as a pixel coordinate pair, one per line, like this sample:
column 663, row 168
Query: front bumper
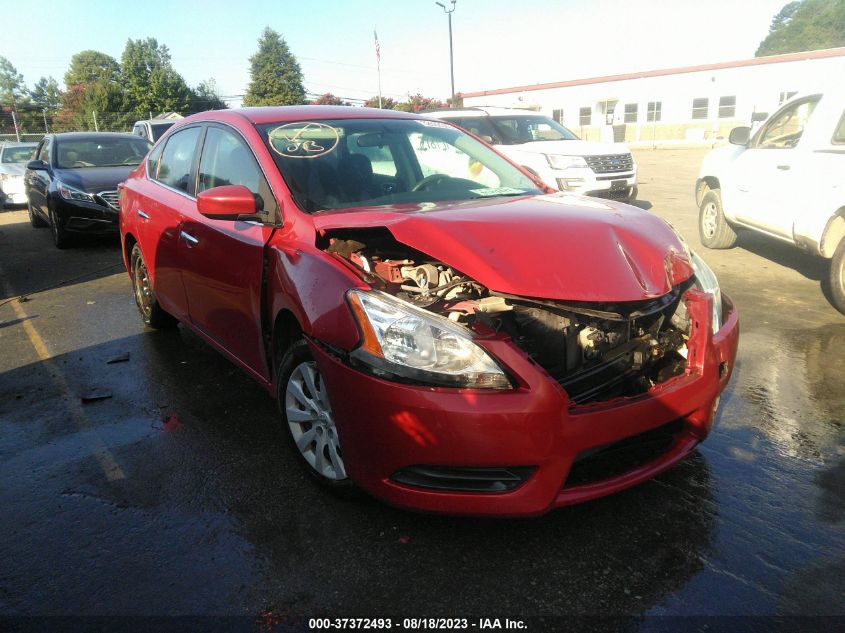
column 386, row 427
column 585, row 181
column 85, row 217
column 12, row 191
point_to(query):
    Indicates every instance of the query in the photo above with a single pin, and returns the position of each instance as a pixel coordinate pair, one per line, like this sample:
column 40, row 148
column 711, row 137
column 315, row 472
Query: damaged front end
column 421, row 329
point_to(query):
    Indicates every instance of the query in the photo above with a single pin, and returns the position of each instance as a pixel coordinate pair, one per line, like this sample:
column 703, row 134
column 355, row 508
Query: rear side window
column 153, row 161
column 177, row 159
column 839, row 132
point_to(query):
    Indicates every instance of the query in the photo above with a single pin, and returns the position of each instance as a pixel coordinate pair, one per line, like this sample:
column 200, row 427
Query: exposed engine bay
column 596, row 351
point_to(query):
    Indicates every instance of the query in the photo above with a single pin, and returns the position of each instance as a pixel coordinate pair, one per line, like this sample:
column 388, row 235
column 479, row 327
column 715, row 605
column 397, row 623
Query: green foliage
column 46, row 95
column 87, row 67
column 149, row 80
column 12, row 87
column 418, row 102
column 386, row 103
column 806, row 25
column 207, row 97
column 275, row 75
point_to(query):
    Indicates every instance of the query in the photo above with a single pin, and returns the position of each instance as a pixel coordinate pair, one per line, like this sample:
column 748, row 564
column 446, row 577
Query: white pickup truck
column 786, row 180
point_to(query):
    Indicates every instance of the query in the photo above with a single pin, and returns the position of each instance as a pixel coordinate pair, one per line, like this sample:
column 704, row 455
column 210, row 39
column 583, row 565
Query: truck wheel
column 152, row 313
column 713, row 229
column 837, row 277
column 306, row 413
column 34, row 219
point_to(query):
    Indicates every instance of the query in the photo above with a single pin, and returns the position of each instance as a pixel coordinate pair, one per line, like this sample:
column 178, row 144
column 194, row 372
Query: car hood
column 558, row 246
column 568, row 148
column 13, row 169
column 94, row 179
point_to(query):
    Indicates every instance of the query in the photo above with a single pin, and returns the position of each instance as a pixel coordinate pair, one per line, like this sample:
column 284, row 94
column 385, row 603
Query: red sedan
column 438, row 327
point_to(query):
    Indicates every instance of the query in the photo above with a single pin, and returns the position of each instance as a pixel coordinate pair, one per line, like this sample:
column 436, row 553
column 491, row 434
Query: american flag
column 378, row 48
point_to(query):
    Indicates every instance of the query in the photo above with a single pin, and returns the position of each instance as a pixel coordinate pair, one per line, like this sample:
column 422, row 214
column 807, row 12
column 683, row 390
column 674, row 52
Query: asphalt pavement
column 160, row 484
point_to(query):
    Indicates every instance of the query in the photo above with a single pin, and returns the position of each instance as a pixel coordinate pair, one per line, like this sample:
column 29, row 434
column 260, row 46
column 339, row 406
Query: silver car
column 13, row 160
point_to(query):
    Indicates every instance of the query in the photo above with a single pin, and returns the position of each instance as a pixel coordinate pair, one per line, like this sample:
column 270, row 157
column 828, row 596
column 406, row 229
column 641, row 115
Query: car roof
column 483, row 111
column 275, row 114
column 88, row 136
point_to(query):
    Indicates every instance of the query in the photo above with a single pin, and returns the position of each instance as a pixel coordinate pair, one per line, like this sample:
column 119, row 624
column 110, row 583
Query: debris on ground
column 93, row 395
column 120, row 358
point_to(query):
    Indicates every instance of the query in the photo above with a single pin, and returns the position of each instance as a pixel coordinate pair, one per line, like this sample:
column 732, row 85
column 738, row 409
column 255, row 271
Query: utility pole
column 96, row 127
column 15, row 124
column 44, row 112
column 449, row 13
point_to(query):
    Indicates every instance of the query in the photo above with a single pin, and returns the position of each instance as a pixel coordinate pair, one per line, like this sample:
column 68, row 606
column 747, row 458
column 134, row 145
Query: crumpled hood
column 94, row 179
column 567, row 148
column 557, row 246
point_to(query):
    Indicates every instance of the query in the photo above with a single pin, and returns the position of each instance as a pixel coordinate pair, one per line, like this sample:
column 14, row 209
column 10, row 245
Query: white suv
column 551, row 151
column 786, row 180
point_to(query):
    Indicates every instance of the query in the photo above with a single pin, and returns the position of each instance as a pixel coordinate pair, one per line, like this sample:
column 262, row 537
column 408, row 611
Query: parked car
column 152, row 129
column 71, row 185
column 787, row 181
column 551, row 151
column 445, row 331
column 13, row 159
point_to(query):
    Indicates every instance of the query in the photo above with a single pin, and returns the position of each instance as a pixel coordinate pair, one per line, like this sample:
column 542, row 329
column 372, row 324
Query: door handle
column 143, row 215
column 784, row 167
column 190, row 239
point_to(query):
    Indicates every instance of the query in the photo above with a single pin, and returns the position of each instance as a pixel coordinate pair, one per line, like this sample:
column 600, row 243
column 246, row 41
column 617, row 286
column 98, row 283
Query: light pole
column 449, row 12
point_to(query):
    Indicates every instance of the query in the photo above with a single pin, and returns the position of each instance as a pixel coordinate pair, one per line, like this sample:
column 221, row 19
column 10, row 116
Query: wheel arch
column 834, row 232
column 286, row 331
column 703, row 185
column 129, row 242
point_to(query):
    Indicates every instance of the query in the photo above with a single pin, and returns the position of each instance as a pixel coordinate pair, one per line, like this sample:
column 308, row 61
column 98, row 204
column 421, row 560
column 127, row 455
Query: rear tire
column 34, row 219
column 152, row 313
column 306, row 415
column 714, row 231
column 837, row 277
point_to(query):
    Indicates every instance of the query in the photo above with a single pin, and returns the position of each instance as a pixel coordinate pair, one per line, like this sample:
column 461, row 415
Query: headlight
column 558, row 161
column 69, row 193
column 706, row 281
column 403, row 340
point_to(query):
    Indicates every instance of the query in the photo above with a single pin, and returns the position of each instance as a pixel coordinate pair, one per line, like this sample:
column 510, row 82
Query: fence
column 33, row 124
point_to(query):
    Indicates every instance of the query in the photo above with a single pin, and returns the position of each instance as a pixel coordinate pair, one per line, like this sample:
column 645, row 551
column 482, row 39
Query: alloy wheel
column 143, row 289
column 709, row 217
column 309, row 417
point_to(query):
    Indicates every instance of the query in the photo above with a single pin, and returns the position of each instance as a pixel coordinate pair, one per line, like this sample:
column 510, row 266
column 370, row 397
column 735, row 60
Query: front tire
column 60, row 235
column 306, row 413
column 837, row 277
column 152, row 313
column 714, row 231
column 34, row 219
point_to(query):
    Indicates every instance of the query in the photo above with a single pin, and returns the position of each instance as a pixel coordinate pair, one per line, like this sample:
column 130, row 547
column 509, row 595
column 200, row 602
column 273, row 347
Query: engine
column 595, row 351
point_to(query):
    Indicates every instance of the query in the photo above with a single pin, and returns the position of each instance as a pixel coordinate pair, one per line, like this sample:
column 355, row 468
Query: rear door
column 222, row 261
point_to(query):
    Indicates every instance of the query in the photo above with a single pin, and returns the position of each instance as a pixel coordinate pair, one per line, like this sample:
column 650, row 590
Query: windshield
column 100, row 152
column 158, row 129
column 19, row 154
column 373, row 162
column 513, row 130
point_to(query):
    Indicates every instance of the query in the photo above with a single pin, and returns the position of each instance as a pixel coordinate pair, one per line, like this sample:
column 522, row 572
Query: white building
column 693, row 103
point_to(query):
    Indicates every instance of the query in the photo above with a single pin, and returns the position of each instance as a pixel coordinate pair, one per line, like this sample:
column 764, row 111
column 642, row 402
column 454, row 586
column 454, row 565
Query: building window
column 699, row 108
column 630, row 113
column 727, row 107
column 653, row 113
column 585, row 116
column 786, row 96
column 557, row 115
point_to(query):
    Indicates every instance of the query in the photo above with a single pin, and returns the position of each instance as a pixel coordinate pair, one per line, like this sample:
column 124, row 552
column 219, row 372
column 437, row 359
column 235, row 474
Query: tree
column 207, row 97
column 12, row 87
column 275, row 75
column 418, row 102
column 46, row 95
column 149, row 80
column 806, row 25
column 329, row 99
column 386, row 103
column 88, row 67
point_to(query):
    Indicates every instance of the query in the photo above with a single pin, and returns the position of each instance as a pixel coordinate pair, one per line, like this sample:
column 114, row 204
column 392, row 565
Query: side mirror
column 37, row 165
column 740, row 135
column 229, row 202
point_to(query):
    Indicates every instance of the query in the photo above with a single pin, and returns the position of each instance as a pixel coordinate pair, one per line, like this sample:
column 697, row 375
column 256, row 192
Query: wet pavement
column 176, row 494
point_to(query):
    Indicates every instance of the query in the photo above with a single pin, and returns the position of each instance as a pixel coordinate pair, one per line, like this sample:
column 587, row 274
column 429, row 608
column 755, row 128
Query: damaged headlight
column 706, row 281
column 406, row 341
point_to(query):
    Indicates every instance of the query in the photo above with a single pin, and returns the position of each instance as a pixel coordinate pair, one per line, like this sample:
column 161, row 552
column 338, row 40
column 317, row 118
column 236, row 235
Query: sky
column 497, row 43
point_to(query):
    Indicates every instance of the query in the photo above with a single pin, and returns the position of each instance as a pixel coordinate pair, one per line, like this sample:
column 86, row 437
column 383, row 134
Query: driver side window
column 785, row 129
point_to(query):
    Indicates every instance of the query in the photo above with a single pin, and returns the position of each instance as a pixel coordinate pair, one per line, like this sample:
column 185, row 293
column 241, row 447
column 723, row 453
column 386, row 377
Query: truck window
column 785, row 128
